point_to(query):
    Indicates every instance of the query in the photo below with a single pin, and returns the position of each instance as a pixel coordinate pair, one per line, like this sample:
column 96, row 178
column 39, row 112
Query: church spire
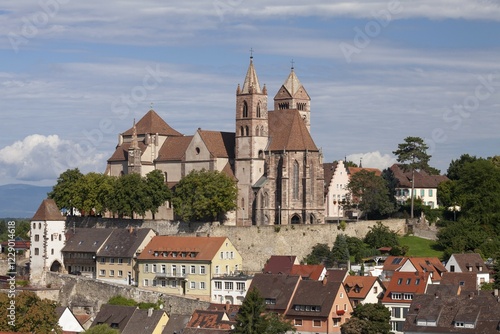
column 134, row 143
column 251, row 84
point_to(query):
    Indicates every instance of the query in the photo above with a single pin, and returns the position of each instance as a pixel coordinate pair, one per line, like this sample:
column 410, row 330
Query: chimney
column 150, row 312
column 227, row 306
column 325, row 280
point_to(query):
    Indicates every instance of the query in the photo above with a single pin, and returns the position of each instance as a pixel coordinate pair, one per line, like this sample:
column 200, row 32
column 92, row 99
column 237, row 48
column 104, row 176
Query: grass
column 420, row 247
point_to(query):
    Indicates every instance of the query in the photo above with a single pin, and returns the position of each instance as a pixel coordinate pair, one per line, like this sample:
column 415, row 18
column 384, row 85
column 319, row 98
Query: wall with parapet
column 255, row 243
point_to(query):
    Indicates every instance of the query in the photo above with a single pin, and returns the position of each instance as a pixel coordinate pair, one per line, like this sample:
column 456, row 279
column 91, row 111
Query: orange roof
column 48, row 210
column 354, row 170
column 152, row 123
column 364, row 283
column 393, row 262
column 428, row 264
column 163, row 247
column 405, row 282
column 310, row 271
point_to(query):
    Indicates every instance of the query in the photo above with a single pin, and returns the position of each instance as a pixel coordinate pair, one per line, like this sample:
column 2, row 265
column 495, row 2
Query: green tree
column 320, row 254
column 369, row 319
column 340, row 250
column 380, row 235
column 65, row 192
column 102, row 329
column 412, row 154
column 252, row 319
column 157, row 190
column 130, row 196
column 496, row 273
column 89, row 199
column 372, row 193
column 461, row 236
column 32, row 314
column 123, row 301
column 455, row 168
column 204, row 195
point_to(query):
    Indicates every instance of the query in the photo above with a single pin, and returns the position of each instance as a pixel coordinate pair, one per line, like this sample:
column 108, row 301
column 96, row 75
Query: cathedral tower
column 292, row 95
column 134, row 154
column 251, row 140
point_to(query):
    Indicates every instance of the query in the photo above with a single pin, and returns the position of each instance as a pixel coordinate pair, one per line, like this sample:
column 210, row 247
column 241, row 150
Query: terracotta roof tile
column 47, row 211
column 422, row 179
column 354, row 170
column 280, row 264
column 308, row 271
column 405, row 282
column 337, row 275
column 121, row 152
column 314, row 293
column 287, row 131
column 219, row 144
column 277, row 287
column 210, row 319
column 152, row 123
column 364, row 284
column 174, row 148
column 205, row 248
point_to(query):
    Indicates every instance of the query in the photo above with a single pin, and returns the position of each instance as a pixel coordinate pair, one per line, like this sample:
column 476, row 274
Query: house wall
column 337, row 191
column 428, row 195
column 482, row 276
column 49, row 238
column 341, row 303
column 112, row 267
column 69, row 323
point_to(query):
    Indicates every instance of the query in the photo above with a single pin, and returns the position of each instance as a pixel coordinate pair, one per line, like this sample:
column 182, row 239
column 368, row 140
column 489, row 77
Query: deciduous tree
column 320, row 254
column 102, row 329
column 157, row 190
column 64, row 193
column 371, row 193
column 380, row 235
column 368, row 318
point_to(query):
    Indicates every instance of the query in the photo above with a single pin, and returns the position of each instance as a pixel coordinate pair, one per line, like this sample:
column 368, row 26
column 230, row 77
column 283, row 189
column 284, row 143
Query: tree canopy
column 368, row 318
column 371, row 193
column 65, row 192
column 252, row 318
column 204, row 195
column 102, row 329
column 32, row 314
column 380, row 235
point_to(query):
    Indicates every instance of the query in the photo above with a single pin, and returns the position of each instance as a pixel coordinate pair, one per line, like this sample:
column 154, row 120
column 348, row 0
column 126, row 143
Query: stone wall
column 82, row 292
column 255, row 243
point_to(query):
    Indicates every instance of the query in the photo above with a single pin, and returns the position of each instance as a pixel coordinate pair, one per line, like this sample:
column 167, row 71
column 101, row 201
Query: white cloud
column 373, row 159
column 38, row 158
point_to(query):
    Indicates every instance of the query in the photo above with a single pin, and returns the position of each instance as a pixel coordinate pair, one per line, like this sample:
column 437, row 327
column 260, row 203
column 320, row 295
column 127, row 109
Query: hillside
column 21, row 200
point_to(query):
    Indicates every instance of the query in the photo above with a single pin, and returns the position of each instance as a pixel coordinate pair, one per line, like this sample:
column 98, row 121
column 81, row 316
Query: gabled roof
column 280, row 264
column 174, row 148
column 143, row 321
column 276, row 287
column 176, row 323
column 393, row 263
column 337, row 275
column 480, row 309
column 121, row 152
column 359, row 286
column 116, row 316
column 205, row 248
column 152, row 123
column 48, row 211
column 287, row 131
column 219, row 144
column 474, row 261
column 422, row 179
column 467, row 281
column 428, row 264
column 308, row 271
column 329, row 170
column 405, row 282
column 230, row 309
column 210, row 319
column 314, row 293
column 123, row 242
column 85, row 240
column 293, row 87
column 354, row 170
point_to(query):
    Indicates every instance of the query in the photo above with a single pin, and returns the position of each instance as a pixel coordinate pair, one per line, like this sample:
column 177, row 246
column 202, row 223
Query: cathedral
column 271, row 155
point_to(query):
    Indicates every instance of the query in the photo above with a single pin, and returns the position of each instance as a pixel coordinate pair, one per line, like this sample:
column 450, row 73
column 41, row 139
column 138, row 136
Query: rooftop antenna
column 292, row 62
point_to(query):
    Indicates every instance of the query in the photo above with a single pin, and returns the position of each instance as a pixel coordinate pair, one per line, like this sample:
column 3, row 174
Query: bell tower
column 251, row 140
column 134, row 154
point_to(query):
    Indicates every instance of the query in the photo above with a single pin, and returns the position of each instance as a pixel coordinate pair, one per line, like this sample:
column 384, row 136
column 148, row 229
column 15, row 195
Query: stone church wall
column 255, row 243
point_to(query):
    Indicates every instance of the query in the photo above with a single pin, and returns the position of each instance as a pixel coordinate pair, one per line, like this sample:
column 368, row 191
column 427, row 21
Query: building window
column 202, row 270
column 103, row 260
column 111, row 273
column 430, row 192
column 112, row 260
column 422, row 192
column 202, row 285
column 163, row 283
column 102, row 272
column 245, row 109
column 298, row 322
column 452, row 268
column 146, row 282
column 408, row 296
column 37, row 237
column 192, row 285
column 155, row 282
column 146, row 268
column 396, row 296
column 375, row 289
column 120, row 261
column 153, row 268
column 217, row 269
column 228, row 285
column 218, row 285
column 37, row 251
column 311, row 171
column 173, row 283
column 258, row 109
column 316, row 323
column 163, row 269
column 295, row 180
column 240, row 286
column 120, row 273
column 52, row 251
column 221, row 255
column 193, row 270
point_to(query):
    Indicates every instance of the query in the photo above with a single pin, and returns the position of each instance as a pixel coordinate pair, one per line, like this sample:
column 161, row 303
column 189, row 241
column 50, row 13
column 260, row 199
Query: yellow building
column 186, row 265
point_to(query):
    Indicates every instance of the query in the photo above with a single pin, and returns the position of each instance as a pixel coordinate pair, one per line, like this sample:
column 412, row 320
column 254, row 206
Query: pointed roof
column 152, row 123
column 219, row 144
column 48, row 210
column 287, row 131
column 251, row 84
column 292, row 83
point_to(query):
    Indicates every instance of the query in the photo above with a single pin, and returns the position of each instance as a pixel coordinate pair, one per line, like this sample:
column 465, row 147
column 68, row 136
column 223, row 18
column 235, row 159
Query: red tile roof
column 121, row 152
column 422, row 179
column 280, row 264
column 152, row 123
column 174, row 148
column 405, row 282
column 428, row 264
column 287, row 131
column 308, row 271
column 219, row 144
column 354, row 170
column 364, row 285
column 48, row 210
column 205, row 248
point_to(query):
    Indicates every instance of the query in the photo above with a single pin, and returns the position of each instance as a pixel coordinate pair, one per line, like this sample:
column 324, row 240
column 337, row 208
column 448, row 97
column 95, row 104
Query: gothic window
column 311, row 171
column 295, row 219
column 242, row 131
column 283, row 105
column 243, row 203
column 258, row 110
column 245, row 109
column 295, row 189
column 246, row 130
column 262, row 130
column 301, row 106
column 257, row 131
column 266, row 200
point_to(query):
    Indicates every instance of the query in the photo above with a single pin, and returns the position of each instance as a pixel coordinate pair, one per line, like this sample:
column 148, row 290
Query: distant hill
column 21, row 200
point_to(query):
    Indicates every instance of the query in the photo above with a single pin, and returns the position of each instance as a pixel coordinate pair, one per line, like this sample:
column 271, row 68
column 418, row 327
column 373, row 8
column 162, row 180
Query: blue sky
column 75, row 74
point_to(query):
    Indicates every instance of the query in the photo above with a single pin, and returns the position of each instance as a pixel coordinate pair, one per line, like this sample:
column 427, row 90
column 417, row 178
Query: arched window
column 313, row 181
column 242, row 131
column 295, row 219
column 295, row 189
column 258, row 110
column 243, row 204
column 245, row 109
column 246, row 130
column 257, row 132
column 266, row 200
column 262, row 130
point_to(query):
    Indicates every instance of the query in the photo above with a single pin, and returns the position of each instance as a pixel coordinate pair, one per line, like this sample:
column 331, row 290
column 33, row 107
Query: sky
column 75, row 74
